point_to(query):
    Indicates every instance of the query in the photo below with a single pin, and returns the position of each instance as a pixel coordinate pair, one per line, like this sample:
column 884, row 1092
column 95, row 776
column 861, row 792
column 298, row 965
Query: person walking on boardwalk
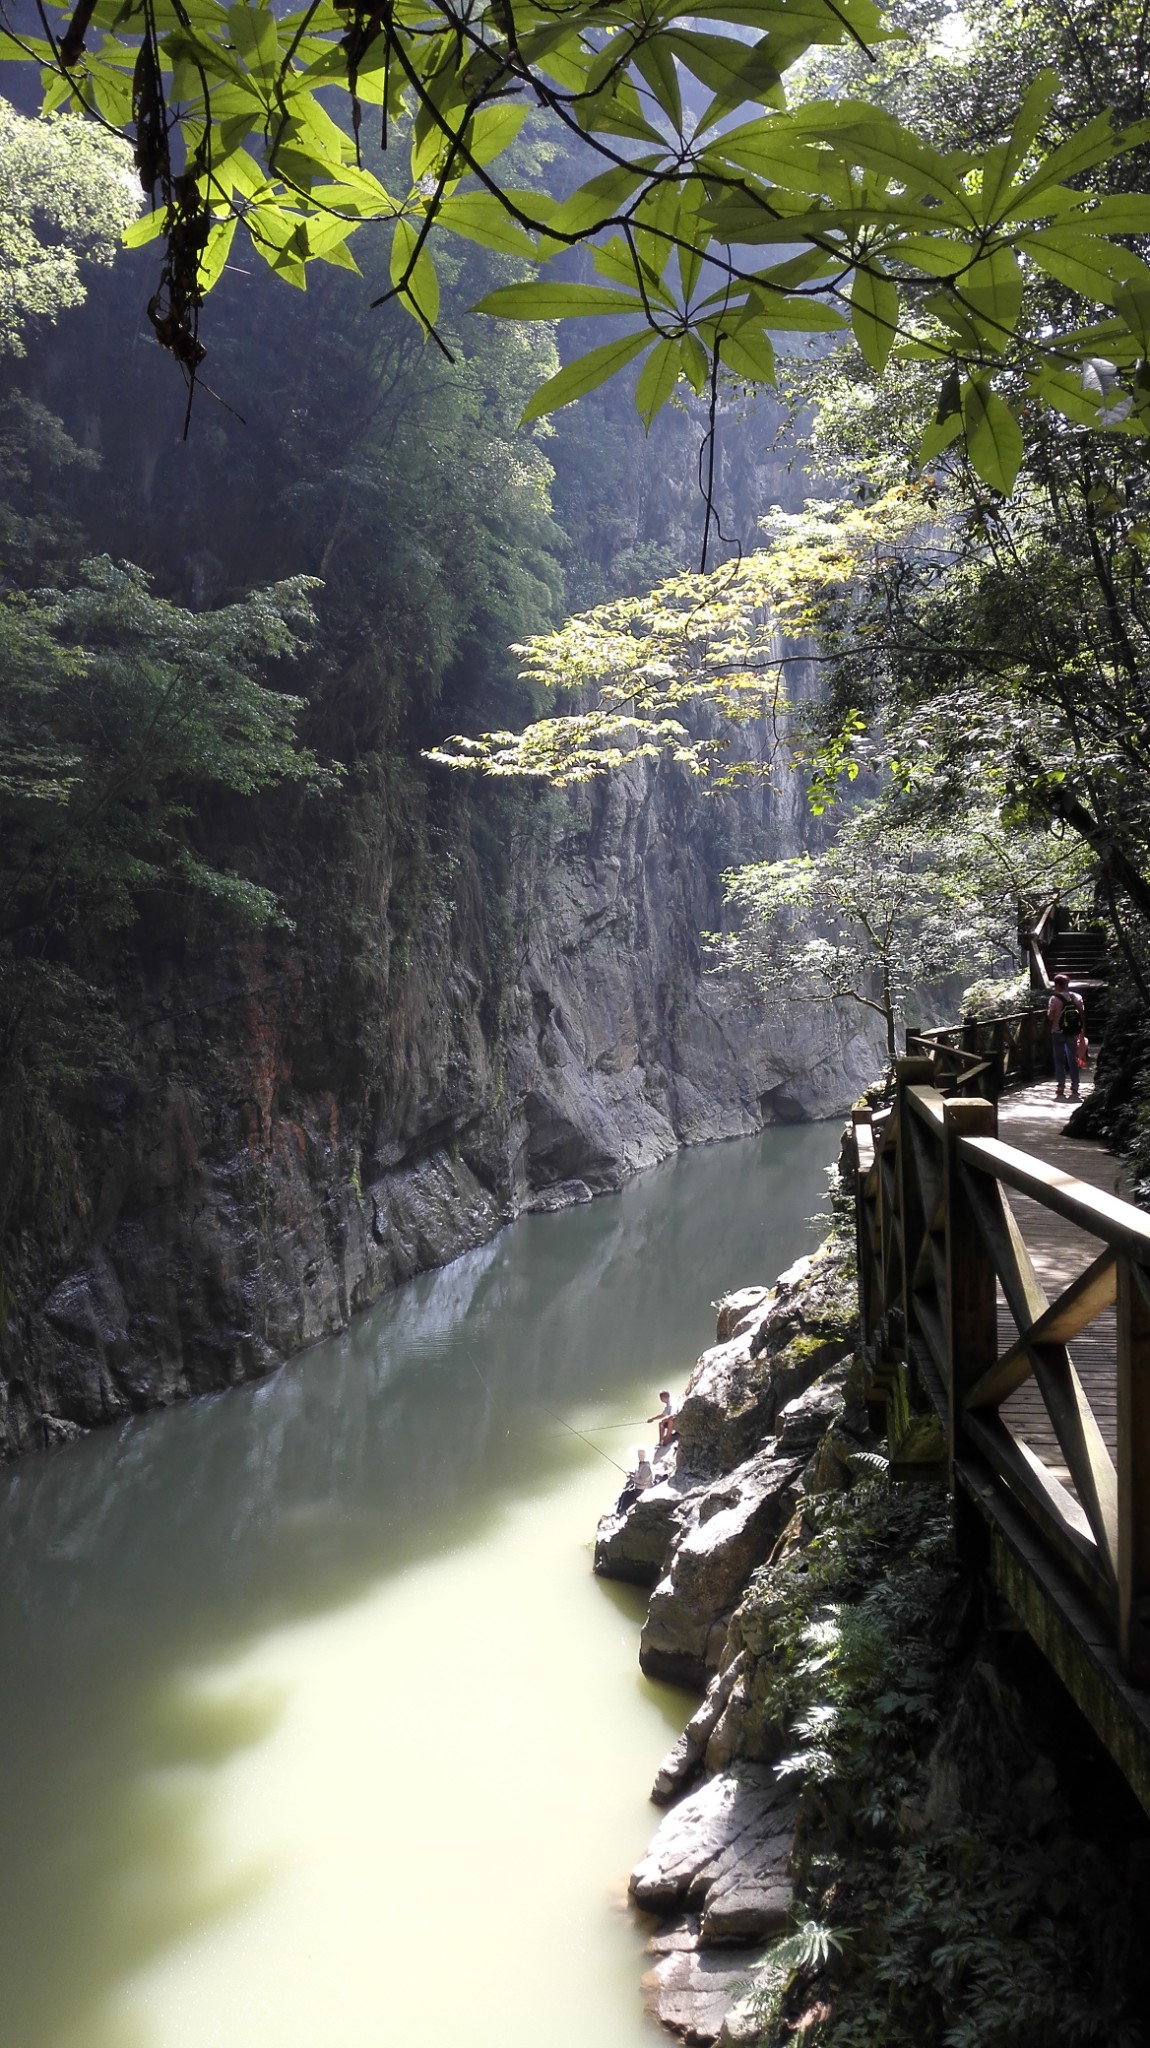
column 1067, row 1018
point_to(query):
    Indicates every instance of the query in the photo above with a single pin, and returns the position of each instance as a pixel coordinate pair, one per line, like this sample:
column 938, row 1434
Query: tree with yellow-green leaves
column 66, row 196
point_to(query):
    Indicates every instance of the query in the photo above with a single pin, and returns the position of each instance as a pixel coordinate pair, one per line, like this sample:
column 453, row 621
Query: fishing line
column 583, row 1439
column 561, row 1420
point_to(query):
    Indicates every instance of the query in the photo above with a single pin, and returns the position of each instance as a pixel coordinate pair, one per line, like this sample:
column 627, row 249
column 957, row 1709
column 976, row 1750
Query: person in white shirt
column 637, row 1482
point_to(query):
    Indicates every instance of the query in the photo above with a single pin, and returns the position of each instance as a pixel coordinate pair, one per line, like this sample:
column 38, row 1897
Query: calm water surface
column 317, row 1730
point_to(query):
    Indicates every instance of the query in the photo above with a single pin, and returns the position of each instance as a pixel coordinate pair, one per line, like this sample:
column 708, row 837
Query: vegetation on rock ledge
column 949, row 1893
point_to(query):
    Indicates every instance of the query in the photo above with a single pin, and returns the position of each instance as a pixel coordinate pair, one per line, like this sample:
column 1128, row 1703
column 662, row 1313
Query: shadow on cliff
column 137, row 1566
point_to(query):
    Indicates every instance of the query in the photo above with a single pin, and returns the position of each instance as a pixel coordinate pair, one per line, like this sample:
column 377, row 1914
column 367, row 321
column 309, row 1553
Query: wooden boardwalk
column 1032, row 1120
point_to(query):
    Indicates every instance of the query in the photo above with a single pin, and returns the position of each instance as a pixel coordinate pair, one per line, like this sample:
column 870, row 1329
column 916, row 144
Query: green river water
column 317, row 1730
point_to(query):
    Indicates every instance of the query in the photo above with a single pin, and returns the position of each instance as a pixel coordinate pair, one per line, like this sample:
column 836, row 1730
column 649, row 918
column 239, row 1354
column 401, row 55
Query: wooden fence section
column 987, row 1054
column 941, row 1257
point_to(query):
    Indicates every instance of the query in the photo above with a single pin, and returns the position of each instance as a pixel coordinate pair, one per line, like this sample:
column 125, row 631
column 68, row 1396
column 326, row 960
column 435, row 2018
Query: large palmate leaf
column 241, row 133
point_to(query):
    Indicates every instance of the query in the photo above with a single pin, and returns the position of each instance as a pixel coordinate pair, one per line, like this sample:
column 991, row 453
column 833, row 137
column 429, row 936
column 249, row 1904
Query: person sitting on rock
column 637, row 1482
column 665, row 1417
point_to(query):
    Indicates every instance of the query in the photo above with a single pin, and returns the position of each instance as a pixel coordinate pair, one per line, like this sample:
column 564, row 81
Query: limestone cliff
column 304, row 1119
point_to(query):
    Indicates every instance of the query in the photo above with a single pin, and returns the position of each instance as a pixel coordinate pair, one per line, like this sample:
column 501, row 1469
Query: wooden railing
column 987, row 1054
column 1052, row 942
column 938, row 1244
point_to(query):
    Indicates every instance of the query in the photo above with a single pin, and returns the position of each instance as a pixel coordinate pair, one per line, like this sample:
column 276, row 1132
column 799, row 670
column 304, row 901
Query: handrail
column 1117, row 1222
column 939, row 1247
column 989, row 1051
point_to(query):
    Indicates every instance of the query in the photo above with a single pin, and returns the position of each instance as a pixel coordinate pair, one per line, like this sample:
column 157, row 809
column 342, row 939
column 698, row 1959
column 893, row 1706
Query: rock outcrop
column 724, row 1531
column 768, row 1417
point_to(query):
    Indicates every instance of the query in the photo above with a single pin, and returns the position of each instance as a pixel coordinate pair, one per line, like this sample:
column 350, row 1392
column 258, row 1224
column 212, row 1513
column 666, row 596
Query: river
column 317, row 1730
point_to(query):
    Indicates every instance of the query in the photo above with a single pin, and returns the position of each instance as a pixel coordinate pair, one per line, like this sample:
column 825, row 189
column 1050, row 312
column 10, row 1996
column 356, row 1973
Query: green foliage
column 943, row 1899
column 685, row 216
column 66, row 195
column 997, row 996
column 855, row 1710
column 878, row 916
column 118, row 711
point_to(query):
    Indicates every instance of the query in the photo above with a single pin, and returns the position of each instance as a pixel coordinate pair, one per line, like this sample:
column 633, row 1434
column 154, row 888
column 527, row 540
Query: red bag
column 1082, row 1048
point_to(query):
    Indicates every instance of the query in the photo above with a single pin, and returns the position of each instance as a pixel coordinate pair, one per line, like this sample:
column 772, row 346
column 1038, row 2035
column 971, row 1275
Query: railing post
column 909, row 1073
column 864, row 1160
column 971, row 1307
column 1133, row 1305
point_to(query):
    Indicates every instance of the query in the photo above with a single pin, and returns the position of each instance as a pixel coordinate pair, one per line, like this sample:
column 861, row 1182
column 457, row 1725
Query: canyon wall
column 517, row 1015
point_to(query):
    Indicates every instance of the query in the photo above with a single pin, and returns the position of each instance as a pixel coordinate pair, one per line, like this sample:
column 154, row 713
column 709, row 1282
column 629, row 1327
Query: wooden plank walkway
column 1032, row 1120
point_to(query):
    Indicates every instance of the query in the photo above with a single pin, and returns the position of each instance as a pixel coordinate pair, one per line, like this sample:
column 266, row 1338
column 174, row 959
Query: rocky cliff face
column 880, row 1766
column 303, row 1121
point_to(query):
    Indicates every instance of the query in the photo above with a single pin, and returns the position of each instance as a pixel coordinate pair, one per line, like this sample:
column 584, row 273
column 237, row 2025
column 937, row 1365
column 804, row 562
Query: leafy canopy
column 728, row 637
column 886, row 910
column 718, row 215
column 66, row 196
column 119, row 711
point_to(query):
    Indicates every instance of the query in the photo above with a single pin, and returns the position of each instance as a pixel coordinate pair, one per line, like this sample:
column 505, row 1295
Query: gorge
column 228, row 1136
column 390, row 1100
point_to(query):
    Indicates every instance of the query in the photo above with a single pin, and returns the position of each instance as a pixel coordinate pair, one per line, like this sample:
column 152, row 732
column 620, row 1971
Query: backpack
column 1070, row 1022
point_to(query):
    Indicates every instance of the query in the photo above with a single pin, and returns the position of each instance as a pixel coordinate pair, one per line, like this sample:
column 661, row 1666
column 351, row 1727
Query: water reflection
column 180, row 1598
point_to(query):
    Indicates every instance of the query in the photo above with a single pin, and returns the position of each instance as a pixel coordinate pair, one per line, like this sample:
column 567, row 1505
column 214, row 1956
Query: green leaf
column 656, row 66
column 939, row 435
column 1067, row 393
column 657, row 219
column 1031, row 115
column 770, row 151
column 493, row 130
column 724, row 65
column 615, row 261
column 547, row 299
column 1097, row 143
column 575, row 379
column 938, row 255
column 146, row 228
column 217, row 249
column 787, row 313
column 414, row 274
column 1002, row 163
column 874, row 313
column 254, row 34
column 1116, row 213
column 863, row 134
column 327, row 240
column 481, row 217
column 657, row 379
column 691, row 258
column 811, row 265
column 991, row 289
column 1132, row 304
column 993, row 435
column 1084, row 262
column 597, row 202
column 748, row 353
column 762, row 81
column 696, row 363
column 281, row 239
